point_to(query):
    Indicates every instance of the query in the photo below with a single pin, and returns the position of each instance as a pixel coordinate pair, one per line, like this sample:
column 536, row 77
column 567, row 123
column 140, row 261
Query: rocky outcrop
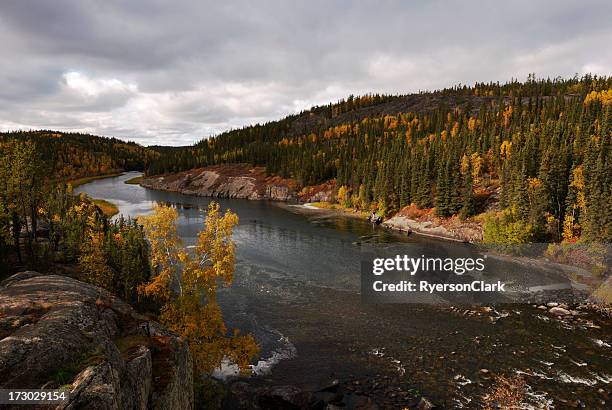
column 325, row 192
column 225, row 181
column 57, row 331
column 462, row 232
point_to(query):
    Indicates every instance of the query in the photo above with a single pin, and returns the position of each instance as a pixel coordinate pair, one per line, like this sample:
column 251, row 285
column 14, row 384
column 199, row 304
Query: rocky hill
column 58, row 332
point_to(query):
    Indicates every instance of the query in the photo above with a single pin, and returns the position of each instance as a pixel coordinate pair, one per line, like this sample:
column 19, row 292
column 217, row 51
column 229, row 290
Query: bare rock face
column 278, row 193
column 57, row 331
column 224, row 181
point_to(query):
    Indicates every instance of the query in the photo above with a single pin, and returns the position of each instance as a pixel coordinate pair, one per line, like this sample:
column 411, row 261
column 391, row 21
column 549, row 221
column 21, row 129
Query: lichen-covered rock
column 56, row 330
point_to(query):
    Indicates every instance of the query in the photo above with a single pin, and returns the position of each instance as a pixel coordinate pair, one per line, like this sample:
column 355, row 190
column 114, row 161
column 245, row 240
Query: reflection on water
column 296, row 289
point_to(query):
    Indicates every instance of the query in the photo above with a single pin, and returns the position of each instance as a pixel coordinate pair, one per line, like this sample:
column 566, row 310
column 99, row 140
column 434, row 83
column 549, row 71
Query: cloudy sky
column 173, row 72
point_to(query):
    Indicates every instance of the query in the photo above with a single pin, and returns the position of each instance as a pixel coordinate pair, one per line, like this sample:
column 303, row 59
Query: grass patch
column 80, row 181
column 604, row 293
column 339, row 208
column 134, row 181
column 109, row 209
column 324, row 205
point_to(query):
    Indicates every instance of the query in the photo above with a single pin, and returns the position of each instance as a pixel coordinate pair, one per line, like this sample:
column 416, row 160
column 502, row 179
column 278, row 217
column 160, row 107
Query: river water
column 297, row 290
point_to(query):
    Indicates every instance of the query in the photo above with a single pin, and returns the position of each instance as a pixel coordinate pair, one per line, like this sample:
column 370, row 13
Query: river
column 297, row 290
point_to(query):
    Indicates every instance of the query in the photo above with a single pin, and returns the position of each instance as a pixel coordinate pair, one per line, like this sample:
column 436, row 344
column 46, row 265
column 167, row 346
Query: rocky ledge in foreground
column 58, row 332
column 225, row 181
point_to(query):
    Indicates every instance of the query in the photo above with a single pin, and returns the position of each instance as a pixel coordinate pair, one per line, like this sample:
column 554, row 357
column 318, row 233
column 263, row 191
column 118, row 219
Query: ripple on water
column 285, row 350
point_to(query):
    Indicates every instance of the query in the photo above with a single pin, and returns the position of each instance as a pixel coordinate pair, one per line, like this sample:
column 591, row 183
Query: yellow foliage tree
column 505, row 149
column 187, row 284
column 344, row 197
column 92, row 262
column 476, row 161
column 571, row 228
column 167, row 252
column 577, row 183
column 605, row 97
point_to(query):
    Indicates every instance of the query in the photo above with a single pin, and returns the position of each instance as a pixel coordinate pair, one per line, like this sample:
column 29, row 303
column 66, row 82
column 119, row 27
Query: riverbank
column 81, row 181
column 246, row 182
column 108, row 208
column 225, row 181
column 458, row 231
column 134, row 181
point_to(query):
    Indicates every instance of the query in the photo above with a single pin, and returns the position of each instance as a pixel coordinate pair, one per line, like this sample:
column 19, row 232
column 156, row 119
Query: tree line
column 75, row 155
column 539, row 150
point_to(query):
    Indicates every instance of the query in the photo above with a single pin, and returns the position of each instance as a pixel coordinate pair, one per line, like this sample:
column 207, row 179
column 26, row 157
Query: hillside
column 534, row 155
column 74, row 155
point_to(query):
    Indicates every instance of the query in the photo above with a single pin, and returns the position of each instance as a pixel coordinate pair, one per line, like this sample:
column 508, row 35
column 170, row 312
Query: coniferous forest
column 69, row 156
column 539, row 149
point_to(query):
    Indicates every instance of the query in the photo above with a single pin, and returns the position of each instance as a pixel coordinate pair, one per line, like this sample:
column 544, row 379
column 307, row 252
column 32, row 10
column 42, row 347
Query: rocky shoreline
column 405, row 225
column 246, row 182
column 428, row 228
column 225, row 181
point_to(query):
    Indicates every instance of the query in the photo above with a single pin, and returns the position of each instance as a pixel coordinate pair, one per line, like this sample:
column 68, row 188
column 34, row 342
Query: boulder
column 559, row 311
column 56, row 331
column 425, row 404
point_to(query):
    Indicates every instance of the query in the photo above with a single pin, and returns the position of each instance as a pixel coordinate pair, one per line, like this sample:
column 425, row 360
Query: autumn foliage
column 186, row 283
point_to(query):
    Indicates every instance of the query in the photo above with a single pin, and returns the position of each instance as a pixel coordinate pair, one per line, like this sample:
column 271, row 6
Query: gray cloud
column 173, row 72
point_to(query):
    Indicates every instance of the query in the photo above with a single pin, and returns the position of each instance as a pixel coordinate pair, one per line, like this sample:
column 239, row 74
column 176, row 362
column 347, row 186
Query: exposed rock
column 559, row 311
column 324, row 192
column 425, row 404
column 461, row 233
column 225, row 181
column 58, row 331
column 278, row 193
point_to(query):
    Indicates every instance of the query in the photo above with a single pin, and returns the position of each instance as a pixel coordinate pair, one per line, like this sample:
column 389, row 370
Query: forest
column 539, row 150
column 43, row 223
column 69, row 156
column 45, row 227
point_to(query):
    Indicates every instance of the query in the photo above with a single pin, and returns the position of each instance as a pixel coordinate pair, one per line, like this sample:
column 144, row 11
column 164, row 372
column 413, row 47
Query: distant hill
column 75, row 155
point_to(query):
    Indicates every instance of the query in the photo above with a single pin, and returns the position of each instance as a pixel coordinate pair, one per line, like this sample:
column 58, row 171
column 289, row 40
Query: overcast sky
column 173, row 72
